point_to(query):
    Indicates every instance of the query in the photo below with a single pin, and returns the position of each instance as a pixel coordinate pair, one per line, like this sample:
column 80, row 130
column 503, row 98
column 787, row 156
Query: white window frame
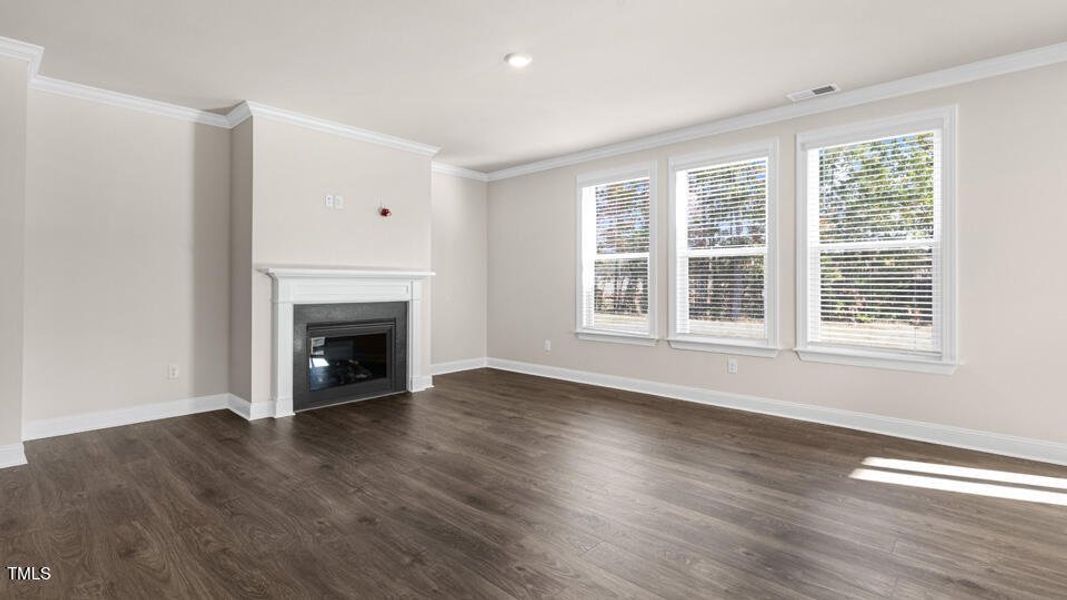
column 941, row 119
column 586, row 180
column 678, row 301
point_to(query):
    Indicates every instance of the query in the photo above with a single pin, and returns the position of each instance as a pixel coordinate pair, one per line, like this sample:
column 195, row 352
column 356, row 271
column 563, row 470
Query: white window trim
column 762, row 348
column 650, row 170
column 943, row 119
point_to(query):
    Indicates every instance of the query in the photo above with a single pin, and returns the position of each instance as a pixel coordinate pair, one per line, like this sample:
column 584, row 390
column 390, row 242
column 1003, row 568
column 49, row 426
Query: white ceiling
column 432, row 71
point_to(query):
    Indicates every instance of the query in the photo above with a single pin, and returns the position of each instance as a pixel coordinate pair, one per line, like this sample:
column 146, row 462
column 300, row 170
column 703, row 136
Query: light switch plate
column 339, row 202
column 329, row 200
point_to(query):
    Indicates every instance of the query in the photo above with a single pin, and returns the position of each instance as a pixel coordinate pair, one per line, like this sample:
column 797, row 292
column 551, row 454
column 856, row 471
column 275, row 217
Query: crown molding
column 340, row 129
column 446, row 169
column 241, row 112
column 155, row 107
column 30, row 53
column 983, row 69
column 238, row 114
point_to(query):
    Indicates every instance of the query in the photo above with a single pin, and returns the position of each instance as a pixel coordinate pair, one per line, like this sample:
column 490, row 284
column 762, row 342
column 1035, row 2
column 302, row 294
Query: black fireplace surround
column 346, row 352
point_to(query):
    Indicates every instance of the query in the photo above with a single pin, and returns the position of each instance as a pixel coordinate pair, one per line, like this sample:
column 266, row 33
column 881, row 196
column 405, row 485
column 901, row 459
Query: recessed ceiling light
column 518, row 59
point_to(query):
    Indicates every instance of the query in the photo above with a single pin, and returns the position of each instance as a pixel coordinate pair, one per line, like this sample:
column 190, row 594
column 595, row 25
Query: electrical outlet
column 172, row 371
column 329, row 200
column 339, row 202
column 548, row 345
column 731, row 365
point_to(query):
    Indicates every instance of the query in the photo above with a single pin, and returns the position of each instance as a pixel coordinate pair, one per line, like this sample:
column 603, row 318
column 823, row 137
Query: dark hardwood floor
column 499, row 485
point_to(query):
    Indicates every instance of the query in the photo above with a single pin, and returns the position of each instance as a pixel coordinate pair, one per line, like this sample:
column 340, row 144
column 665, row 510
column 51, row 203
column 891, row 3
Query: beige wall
column 126, row 258
column 134, row 224
column 13, row 82
column 241, row 160
column 1012, row 204
column 294, row 168
column 459, row 261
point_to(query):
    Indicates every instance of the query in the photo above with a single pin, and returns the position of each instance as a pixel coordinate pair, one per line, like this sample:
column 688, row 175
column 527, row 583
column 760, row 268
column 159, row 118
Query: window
column 616, row 271
column 876, row 264
column 723, row 251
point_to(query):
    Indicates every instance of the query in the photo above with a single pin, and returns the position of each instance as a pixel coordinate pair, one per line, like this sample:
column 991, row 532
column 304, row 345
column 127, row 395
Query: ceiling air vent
column 822, row 90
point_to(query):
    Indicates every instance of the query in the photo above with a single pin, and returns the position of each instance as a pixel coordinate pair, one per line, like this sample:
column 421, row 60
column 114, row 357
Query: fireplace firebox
column 346, row 352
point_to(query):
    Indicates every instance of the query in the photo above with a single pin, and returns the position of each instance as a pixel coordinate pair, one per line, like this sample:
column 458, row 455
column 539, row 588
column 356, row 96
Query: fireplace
column 317, row 289
column 347, row 352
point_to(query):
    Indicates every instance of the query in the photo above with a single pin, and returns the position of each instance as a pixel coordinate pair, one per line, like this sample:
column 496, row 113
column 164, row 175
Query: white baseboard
column 251, row 411
column 458, row 365
column 12, row 455
column 44, row 428
column 421, row 382
column 982, row 441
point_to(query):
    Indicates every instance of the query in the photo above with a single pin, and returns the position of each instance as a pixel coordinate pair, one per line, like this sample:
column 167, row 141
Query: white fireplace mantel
column 298, row 285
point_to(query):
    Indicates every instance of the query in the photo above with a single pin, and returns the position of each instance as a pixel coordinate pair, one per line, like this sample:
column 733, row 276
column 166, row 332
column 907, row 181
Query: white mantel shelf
column 345, row 273
column 291, row 286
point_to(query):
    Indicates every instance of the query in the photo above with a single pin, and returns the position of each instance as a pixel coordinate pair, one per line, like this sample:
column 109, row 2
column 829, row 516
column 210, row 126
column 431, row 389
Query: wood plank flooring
column 500, row 485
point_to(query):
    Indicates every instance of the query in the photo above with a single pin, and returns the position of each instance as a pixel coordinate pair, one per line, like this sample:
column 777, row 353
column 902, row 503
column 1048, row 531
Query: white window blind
column 875, row 252
column 722, row 252
column 616, row 230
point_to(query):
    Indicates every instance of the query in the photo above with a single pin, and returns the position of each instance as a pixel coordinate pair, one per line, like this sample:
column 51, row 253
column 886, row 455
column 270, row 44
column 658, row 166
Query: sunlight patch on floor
column 966, row 472
column 928, row 472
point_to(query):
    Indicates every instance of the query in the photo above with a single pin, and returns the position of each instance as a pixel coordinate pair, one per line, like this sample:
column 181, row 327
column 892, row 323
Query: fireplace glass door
column 349, row 360
column 341, row 359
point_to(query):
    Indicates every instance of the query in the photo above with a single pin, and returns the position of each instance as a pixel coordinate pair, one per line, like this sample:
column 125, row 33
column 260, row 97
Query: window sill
column 878, row 360
column 722, row 346
column 617, row 338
